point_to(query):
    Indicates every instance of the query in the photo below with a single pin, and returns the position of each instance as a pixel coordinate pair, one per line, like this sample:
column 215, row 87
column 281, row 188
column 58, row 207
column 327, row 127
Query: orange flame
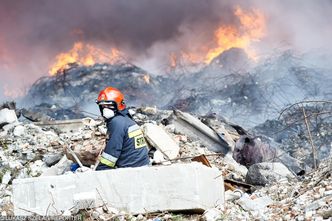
column 84, row 54
column 183, row 59
column 252, row 28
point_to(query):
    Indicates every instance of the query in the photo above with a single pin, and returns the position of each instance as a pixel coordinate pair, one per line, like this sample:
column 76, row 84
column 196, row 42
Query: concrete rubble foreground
column 135, row 190
column 38, row 151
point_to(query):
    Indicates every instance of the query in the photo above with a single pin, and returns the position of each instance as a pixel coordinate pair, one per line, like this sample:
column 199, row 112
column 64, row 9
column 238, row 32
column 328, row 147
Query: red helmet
column 111, row 95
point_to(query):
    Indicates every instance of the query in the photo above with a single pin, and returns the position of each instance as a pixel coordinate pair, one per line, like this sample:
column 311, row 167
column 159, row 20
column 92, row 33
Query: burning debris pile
column 78, row 85
column 175, row 138
column 232, row 86
column 249, row 93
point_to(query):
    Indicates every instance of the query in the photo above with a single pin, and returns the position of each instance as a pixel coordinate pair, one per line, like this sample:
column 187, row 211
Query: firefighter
column 125, row 143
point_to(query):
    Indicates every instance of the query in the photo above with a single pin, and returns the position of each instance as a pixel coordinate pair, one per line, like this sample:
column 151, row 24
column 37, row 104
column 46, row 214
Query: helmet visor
column 107, row 104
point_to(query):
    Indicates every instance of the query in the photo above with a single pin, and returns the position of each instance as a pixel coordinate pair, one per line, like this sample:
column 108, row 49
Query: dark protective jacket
column 126, row 146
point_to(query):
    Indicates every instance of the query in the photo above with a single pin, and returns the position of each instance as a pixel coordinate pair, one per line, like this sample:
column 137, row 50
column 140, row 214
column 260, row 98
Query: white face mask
column 108, row 113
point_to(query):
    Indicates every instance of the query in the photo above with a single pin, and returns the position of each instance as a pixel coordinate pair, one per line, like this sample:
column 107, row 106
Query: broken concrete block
column 213, row 214
column 60, row 168
column 257, row 204
column 19, row 131
column 195, row 129
column 219, row 128
column 37, row 168
column 264, row 173
column 161, row 140
column 7, row 116
column 6, row 177
column 236, row 167
column 233, row 195
column 176, row 187
column 52, row 158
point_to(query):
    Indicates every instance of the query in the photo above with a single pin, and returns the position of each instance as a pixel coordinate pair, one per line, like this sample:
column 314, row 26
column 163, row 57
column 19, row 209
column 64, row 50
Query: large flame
column 251, row 29
column 84, row 54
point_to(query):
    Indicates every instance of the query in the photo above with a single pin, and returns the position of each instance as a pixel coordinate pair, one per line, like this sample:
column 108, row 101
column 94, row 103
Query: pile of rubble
column 307, row 198
column 46, row 153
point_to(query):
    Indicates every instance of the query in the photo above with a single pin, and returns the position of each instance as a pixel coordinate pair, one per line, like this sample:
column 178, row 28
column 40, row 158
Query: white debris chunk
column 7, row 116
column 19, row 130
column 213, row 214
column 254, row 204
column 6, row 177
column 191, row 186
column 161, row 140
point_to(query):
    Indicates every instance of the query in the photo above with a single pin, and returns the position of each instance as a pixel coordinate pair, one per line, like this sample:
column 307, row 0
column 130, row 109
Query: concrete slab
column 196, row 130
column 161, row 140
column 136, row 190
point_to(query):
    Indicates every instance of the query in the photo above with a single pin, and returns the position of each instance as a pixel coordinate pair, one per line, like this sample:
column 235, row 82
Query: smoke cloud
column 34, row 32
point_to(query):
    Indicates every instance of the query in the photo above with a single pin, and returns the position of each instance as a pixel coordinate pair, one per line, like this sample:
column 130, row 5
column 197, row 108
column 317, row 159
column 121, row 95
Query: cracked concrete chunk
column 136, row 190
column 256, row 204
column 19, row 131
column 7, row 116
column 161, row 140
column 264, row 173
column 196, row 130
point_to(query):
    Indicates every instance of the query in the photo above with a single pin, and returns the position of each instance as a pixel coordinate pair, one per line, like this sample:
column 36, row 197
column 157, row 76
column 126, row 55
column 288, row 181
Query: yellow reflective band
column 135, row 133
column 107, row 162
column 109, row 157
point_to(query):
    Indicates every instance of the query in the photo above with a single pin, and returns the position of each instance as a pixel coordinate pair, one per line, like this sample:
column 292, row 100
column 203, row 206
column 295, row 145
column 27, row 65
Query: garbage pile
column 42, row 149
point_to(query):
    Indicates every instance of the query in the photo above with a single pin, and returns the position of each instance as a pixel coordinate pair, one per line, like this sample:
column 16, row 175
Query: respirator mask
column 107, row 109
column 108, row 113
